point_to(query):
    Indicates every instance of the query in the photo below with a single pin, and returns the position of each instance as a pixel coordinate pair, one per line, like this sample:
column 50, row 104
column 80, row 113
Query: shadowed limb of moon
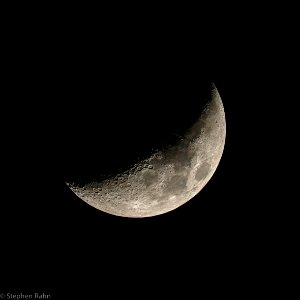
column 169, row 177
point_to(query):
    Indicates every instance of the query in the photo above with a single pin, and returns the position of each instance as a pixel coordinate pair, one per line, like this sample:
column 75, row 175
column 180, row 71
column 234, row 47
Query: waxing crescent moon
column 169, row 177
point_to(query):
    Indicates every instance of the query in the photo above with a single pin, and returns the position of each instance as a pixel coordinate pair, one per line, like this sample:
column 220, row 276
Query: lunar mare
column 169, row 177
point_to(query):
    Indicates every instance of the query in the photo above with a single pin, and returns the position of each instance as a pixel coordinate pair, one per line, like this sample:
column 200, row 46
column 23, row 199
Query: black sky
column 77, row 101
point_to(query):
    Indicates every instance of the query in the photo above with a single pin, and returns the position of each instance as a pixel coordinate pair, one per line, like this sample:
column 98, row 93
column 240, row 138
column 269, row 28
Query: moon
column 169, row 177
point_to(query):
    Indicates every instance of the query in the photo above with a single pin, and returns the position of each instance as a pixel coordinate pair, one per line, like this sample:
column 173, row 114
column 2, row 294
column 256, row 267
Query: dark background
column 77, row 96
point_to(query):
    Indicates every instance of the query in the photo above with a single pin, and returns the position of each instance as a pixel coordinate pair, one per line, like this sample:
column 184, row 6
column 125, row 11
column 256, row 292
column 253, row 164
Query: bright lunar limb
column 169, row 177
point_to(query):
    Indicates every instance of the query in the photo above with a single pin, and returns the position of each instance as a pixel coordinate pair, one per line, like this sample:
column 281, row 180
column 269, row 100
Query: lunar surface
column 169, row 177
